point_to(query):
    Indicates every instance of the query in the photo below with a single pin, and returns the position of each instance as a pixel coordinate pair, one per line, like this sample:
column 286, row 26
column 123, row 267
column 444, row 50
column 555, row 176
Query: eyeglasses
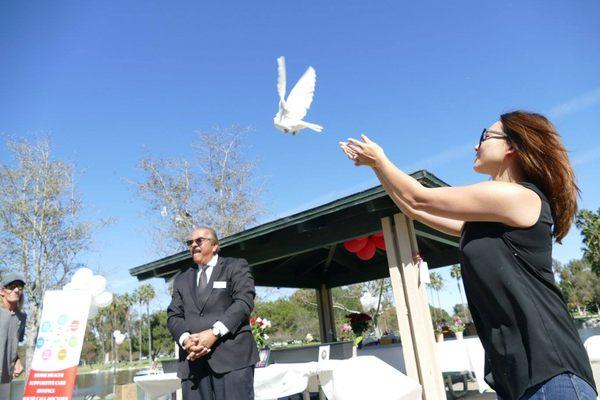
column 485, row 135
column 14, row 285
column 198, row 241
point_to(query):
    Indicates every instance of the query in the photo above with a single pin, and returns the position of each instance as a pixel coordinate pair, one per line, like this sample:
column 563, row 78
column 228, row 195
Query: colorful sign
column 58, row 346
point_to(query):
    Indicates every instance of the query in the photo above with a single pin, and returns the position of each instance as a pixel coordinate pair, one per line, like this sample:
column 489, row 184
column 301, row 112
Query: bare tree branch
column 215, row 187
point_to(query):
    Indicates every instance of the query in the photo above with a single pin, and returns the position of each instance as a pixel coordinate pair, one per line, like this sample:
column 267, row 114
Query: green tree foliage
column 162, row 341
column 462, row 310
column 90, row 351
column 296, row 316
column 588, row 222
column 579, row 285
column 290, row 318
column 440, row 315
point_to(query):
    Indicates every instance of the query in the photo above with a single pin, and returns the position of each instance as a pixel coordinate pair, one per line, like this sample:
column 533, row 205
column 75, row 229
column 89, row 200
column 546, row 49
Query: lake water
column 98, row 383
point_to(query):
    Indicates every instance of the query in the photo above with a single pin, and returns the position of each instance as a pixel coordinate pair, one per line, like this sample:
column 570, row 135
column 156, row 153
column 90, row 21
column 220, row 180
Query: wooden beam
column 400, row 299
column 419, row 317
column 329, row 258
column 436, row 238
column 326, row 315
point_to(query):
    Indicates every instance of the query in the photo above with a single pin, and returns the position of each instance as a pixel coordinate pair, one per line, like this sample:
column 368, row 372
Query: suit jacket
column 231, row 305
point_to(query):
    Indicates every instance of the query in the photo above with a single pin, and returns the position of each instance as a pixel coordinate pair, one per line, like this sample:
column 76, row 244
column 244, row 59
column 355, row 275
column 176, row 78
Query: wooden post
column 326, row 316
column 412, row 307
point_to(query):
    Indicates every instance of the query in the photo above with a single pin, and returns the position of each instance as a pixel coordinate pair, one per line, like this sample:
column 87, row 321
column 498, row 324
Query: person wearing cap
column 12, row 329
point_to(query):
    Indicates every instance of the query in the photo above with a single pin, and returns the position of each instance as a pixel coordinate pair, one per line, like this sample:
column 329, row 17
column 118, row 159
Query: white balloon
column 68, row 286
column 93, row 311
column 82, row 274
column 116, row 333
column 97, row 284
column 103, row 299
column 119, row 339
column 79, row 284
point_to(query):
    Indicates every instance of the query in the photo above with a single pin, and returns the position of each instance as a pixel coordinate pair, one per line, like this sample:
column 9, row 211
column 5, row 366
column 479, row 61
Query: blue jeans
column 565, row 386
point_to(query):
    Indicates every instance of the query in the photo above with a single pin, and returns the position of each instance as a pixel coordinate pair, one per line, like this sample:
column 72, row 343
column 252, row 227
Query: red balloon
column 379, row 241
column 378, row 234
column 367, row 252
column 356, row 245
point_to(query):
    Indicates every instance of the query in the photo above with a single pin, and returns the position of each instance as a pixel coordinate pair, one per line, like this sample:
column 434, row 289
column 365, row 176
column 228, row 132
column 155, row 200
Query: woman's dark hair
column 545, row 162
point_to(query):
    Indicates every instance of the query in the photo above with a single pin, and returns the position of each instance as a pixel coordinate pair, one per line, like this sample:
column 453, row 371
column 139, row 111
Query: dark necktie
column 203, row 281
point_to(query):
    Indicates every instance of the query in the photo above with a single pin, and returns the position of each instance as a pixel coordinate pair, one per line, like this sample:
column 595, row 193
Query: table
column 355, row 378
column 453, row 355
column 155, row 385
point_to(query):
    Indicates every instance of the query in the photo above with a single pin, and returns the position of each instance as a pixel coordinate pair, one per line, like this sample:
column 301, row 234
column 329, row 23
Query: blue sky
column 112, row 81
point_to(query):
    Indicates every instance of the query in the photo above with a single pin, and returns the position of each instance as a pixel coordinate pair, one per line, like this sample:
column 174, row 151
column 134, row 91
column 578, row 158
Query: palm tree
column 455, row 272
column 99, row 324
column 437, row 284
column 128, row 301
column 146, row 294
column 136, row 300
column 116, row 315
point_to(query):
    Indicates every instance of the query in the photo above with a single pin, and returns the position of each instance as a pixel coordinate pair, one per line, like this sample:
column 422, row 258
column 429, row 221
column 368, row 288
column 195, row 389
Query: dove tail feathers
column 314, row 127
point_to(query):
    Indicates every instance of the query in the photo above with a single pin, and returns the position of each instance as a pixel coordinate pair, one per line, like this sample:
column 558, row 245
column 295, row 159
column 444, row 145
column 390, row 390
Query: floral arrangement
column 346, row 332
column 259, row 326
column 359, row 322
column 457, row 324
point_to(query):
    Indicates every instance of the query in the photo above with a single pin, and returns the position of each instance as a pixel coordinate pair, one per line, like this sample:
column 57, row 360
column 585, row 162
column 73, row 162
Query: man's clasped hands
column 198, row 345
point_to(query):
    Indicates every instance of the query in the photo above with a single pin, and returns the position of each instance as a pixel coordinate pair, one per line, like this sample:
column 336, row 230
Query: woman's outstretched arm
column 503, row 202
column 449, row 226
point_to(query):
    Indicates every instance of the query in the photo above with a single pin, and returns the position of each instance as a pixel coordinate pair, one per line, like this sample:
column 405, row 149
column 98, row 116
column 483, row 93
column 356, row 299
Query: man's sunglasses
column 12, row 286
column 198, row 241
column 485, row 135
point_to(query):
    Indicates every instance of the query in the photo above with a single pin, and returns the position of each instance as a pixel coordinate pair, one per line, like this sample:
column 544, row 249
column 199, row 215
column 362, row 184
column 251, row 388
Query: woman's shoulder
column 532, row 186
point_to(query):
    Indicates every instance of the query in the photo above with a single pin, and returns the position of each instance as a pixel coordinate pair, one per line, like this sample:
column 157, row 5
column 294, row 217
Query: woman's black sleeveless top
column 519, row 312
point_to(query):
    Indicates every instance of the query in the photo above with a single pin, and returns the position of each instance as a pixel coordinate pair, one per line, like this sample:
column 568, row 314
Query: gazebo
column 305, row 250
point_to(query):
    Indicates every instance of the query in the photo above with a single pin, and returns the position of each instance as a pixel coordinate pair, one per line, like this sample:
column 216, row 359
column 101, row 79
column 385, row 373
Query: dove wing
column 301, row 95
column 281, row 77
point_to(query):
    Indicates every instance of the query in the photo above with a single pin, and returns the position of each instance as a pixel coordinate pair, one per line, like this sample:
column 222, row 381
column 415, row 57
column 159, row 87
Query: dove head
column 278, row 122
column 284, row 128
column 280, row 127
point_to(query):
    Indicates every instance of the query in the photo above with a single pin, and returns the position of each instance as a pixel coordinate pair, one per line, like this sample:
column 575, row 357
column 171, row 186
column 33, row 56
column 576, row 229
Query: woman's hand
column 364, row 152
column 18, row 368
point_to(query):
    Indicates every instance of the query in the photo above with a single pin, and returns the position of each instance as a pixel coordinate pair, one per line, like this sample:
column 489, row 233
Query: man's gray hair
column 213, row 233
column 214, row 238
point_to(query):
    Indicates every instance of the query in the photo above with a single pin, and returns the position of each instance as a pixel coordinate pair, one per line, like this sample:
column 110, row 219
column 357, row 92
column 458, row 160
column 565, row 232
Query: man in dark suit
column 209, row 318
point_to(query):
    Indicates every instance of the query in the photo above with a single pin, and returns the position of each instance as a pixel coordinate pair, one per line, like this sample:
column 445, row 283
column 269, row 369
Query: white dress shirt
column 218, row 325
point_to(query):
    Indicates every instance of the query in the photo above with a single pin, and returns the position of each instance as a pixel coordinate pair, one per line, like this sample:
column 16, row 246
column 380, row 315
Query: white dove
column 291, row 111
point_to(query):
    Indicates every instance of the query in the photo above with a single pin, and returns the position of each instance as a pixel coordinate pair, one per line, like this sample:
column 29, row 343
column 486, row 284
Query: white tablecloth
column 354, row 378
column 155, row 385
column 366, row 377
column 453, row 355
column 280, row 380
